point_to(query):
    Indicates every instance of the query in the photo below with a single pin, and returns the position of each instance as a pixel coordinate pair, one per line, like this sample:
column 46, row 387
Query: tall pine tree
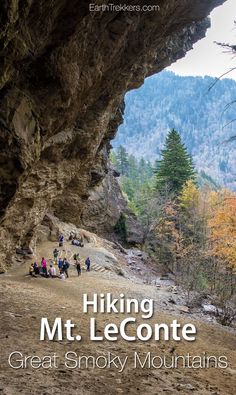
column 122, row 161
column 176, row 166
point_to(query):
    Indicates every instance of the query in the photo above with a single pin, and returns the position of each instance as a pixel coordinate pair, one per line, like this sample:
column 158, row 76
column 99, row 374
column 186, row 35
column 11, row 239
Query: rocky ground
column 24, row 300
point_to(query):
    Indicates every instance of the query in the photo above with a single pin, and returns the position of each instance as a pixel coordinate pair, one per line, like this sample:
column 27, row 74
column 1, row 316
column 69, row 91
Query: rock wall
column 104, row 208
column 63, row 75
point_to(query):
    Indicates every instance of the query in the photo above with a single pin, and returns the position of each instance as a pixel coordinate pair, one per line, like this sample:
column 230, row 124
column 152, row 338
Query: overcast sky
column 207, row 58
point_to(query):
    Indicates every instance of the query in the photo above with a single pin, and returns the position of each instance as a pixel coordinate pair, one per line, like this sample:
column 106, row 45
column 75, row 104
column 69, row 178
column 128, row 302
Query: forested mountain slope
column 201, row 116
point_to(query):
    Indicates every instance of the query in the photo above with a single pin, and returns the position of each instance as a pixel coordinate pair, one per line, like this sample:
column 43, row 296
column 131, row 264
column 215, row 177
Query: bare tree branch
column 218, row 78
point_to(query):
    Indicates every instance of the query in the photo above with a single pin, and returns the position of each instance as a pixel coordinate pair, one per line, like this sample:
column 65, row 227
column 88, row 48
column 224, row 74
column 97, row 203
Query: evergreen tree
column 133, row 167
column 142, row 169
column 113, row 159
column 122, row 161
column 176, row 166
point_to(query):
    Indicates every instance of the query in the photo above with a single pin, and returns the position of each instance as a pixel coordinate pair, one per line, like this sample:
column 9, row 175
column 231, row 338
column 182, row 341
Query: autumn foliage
column 190, row 225
column 196, row 238
column 222, row 227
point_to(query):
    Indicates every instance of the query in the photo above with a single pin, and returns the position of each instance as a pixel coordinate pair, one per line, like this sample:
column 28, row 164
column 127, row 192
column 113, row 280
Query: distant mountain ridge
column 167, row 101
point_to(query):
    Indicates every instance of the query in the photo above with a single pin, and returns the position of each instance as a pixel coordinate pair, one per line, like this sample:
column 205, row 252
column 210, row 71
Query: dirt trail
column 25, row 300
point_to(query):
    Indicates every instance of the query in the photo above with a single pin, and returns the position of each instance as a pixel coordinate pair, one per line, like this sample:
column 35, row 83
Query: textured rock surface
column 105, row 206
column 63, row 74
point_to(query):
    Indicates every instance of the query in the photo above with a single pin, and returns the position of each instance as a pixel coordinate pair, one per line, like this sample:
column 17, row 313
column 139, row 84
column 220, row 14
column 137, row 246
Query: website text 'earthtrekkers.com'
column 123, row 7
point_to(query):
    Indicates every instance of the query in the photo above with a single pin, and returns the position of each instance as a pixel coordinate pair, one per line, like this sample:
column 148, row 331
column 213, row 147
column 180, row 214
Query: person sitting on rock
column 31, row 269
column 76, row 242
column 72, row 235
column 36, row 268
column 62, row 275
column 81, row 240
column 78, row 267
column 52, row 272
column 88, row 263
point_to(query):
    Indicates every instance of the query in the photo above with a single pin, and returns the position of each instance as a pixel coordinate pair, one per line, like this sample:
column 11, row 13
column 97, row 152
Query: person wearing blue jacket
column 88, row 263
column 61, row 240
column 65, row 267
column 60, row 264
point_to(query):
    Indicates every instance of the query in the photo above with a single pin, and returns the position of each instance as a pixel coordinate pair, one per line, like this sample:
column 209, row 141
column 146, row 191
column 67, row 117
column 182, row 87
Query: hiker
column 65, row 267
column 76, row 242
column 76, row 257
column 31, row 269
column 44, row 267
column 88, row 263
column 60, row 264
column 61, row 240
column 62, row 275
column 78, row 267
column 72, row 235
column 55, row 254
column 52, row 272
column 81, row 240
column 36, row 268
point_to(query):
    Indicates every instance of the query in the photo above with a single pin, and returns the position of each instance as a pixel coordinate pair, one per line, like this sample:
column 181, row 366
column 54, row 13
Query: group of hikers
column 63, row 265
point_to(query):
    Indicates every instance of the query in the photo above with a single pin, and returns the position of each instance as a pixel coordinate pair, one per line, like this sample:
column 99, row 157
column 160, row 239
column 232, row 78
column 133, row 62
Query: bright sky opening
column 206, row 57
